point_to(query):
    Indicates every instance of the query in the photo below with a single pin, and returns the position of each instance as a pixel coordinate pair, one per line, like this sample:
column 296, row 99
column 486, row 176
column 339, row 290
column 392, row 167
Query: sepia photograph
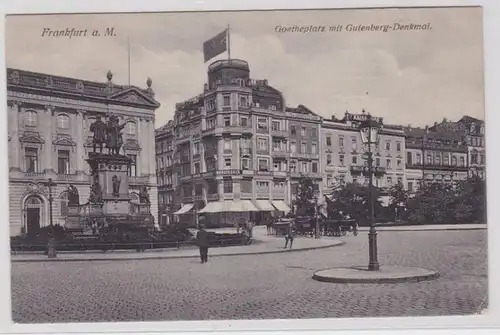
column 246, row 165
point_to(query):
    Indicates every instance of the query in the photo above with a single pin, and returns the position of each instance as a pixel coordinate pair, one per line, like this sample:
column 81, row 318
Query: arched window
column 131, row 128
column 63, row 200
column 31, row 118
column 63, row 121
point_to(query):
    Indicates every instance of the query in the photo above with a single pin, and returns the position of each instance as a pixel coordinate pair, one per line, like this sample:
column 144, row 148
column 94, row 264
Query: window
column 131, row 128
column 377, row 161
column 293, row 166
column 429, row 159
column 227, row 121
column 196, row 168
column 302, row 131
column 354, row 160
column 400, row 180
column 341, row 141
column 275, row 125
column 303, row 147
column 263, row 165
column 227, row 163
column 387, row 145
column 328, row 159
column 389, row 163
column 246, row 186
column 314, row 148
column 341, row 160
column 210, row 104
column 446, row 160
column 418, row 159
column 276, row 145
column 227, row 145
column 63, row 161
column 262, row 185
column 410, row 186
column 474, row 158
column 354, row 144
column 243, row 101
column 211, row 122
column 276, row 166
column 226, row 100
column 293, row 147
column 462, row 161
column 63, row 121
column 262, row 143
column 304, row 167
column 31, row 159
column 454, row 160
column 398, row 163
column 409, row 158
column 389, row 181
column 245, row 164
column 196, row 148
column 132, row 170
column 228, row 185
column 438, row 159
column 314, row 167
column 262, row 123
column 293, row 130
column 31, row 118
column 244, row 121
column 482, row 159
column 272, row 107
column 328, row 141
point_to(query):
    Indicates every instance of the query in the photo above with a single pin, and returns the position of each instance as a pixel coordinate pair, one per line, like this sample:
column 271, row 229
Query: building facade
column 164, row 138
column 239, row 141
column 49, row 137
column 345, row 154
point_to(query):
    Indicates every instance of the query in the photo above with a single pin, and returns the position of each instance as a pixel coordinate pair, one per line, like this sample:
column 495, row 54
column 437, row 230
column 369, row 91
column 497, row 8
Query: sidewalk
column 263, row 244
column 428, row 227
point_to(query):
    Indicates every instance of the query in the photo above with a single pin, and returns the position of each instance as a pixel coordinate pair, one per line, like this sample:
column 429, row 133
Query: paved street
column 258, row 286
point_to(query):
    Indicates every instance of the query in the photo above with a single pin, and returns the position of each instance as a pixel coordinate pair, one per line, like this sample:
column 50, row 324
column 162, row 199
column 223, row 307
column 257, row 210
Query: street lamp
column 51, row 252
column 369, row 135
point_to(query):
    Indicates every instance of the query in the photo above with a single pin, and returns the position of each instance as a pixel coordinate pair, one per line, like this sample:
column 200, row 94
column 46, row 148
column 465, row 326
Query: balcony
column 262, row 130
column 378, row 171
column 304, row 155
column 263, row 173
column 236, row 129
column 72, row 177
column 34, row 175
column 246, row 195
column 228, row 172
column 279, row 133
column 279, row 174
column 278, row 194
column 185, row 178
column 263, row 193
column 447, row 167
column 208, row 174
column 213, row 197
column 280, row 153
column 247, row 172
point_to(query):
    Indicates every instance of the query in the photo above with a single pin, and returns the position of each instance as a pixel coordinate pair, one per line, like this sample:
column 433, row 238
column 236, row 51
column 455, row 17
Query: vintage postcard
column 246, row 165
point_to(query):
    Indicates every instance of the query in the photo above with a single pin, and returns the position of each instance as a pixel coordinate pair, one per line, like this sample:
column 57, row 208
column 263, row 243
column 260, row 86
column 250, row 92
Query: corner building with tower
column 235, row 141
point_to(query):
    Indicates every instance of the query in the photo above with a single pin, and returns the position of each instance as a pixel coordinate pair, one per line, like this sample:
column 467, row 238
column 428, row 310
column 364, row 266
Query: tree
column 307, row 197
column 353, row 200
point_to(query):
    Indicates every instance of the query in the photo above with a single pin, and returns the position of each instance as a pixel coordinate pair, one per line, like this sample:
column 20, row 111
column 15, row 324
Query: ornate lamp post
column 369, row 135
column 51, row 252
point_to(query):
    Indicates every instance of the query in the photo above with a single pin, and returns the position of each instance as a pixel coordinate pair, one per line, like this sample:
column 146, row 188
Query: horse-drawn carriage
column 340, row 227
column 305, row 225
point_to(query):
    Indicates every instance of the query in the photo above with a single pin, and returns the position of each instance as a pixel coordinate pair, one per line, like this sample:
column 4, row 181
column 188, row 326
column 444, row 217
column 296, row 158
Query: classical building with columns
column 49, row 137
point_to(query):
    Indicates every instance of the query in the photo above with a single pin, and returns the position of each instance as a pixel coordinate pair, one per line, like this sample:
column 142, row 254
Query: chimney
column 426, row 129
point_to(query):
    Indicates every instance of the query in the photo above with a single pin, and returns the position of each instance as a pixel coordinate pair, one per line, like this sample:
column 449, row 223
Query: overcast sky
column 407, row 77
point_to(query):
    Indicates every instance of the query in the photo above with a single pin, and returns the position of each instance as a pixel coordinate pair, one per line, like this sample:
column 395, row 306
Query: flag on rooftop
column 215, row 46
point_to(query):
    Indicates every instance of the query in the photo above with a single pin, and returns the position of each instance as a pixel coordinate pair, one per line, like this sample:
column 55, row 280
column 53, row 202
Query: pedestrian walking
column 203, row 242
column 289, row 235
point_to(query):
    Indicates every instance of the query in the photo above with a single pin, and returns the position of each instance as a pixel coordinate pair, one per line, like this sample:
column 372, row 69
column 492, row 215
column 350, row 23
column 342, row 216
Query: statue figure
column 96, row 192
column 116, row 185
column 73, row 197
column 99, row 129
column 144, row 195
column 114, row 139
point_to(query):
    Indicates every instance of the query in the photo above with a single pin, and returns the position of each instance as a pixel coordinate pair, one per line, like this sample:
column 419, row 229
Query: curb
column 409, row 279
column 339, row 243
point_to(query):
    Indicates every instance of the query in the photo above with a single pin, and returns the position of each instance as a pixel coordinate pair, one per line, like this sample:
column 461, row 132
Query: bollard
column 52, row 253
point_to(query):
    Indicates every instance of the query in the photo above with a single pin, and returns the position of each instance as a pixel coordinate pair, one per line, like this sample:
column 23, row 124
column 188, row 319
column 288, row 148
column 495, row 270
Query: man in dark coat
column 202, row 238
column 289, row 235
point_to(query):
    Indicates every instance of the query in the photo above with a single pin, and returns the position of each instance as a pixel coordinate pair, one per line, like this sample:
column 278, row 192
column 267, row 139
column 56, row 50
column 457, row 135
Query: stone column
column 142, row 160
column 151, row 148
column 14, row 147
column 48, row 125
column 220, row 150
column 80, row 141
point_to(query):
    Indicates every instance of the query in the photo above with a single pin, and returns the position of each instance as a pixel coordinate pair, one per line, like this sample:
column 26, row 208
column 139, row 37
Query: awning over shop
column 264, row 205
column 281, row 206
column 184, row 209
column 229, row 206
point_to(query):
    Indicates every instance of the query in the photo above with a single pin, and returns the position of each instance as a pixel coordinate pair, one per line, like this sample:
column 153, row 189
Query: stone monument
column 109, row 205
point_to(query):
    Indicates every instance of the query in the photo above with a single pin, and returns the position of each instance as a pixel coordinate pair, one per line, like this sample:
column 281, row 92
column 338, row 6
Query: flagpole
column 128, row 55
column 228, row 44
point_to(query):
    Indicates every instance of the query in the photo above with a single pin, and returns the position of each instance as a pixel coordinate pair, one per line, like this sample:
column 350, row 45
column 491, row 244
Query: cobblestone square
column 258, row 286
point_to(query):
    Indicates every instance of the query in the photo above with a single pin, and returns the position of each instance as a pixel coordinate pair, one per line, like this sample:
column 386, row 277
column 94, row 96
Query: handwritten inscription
column 77, row 32
column 353, row 28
